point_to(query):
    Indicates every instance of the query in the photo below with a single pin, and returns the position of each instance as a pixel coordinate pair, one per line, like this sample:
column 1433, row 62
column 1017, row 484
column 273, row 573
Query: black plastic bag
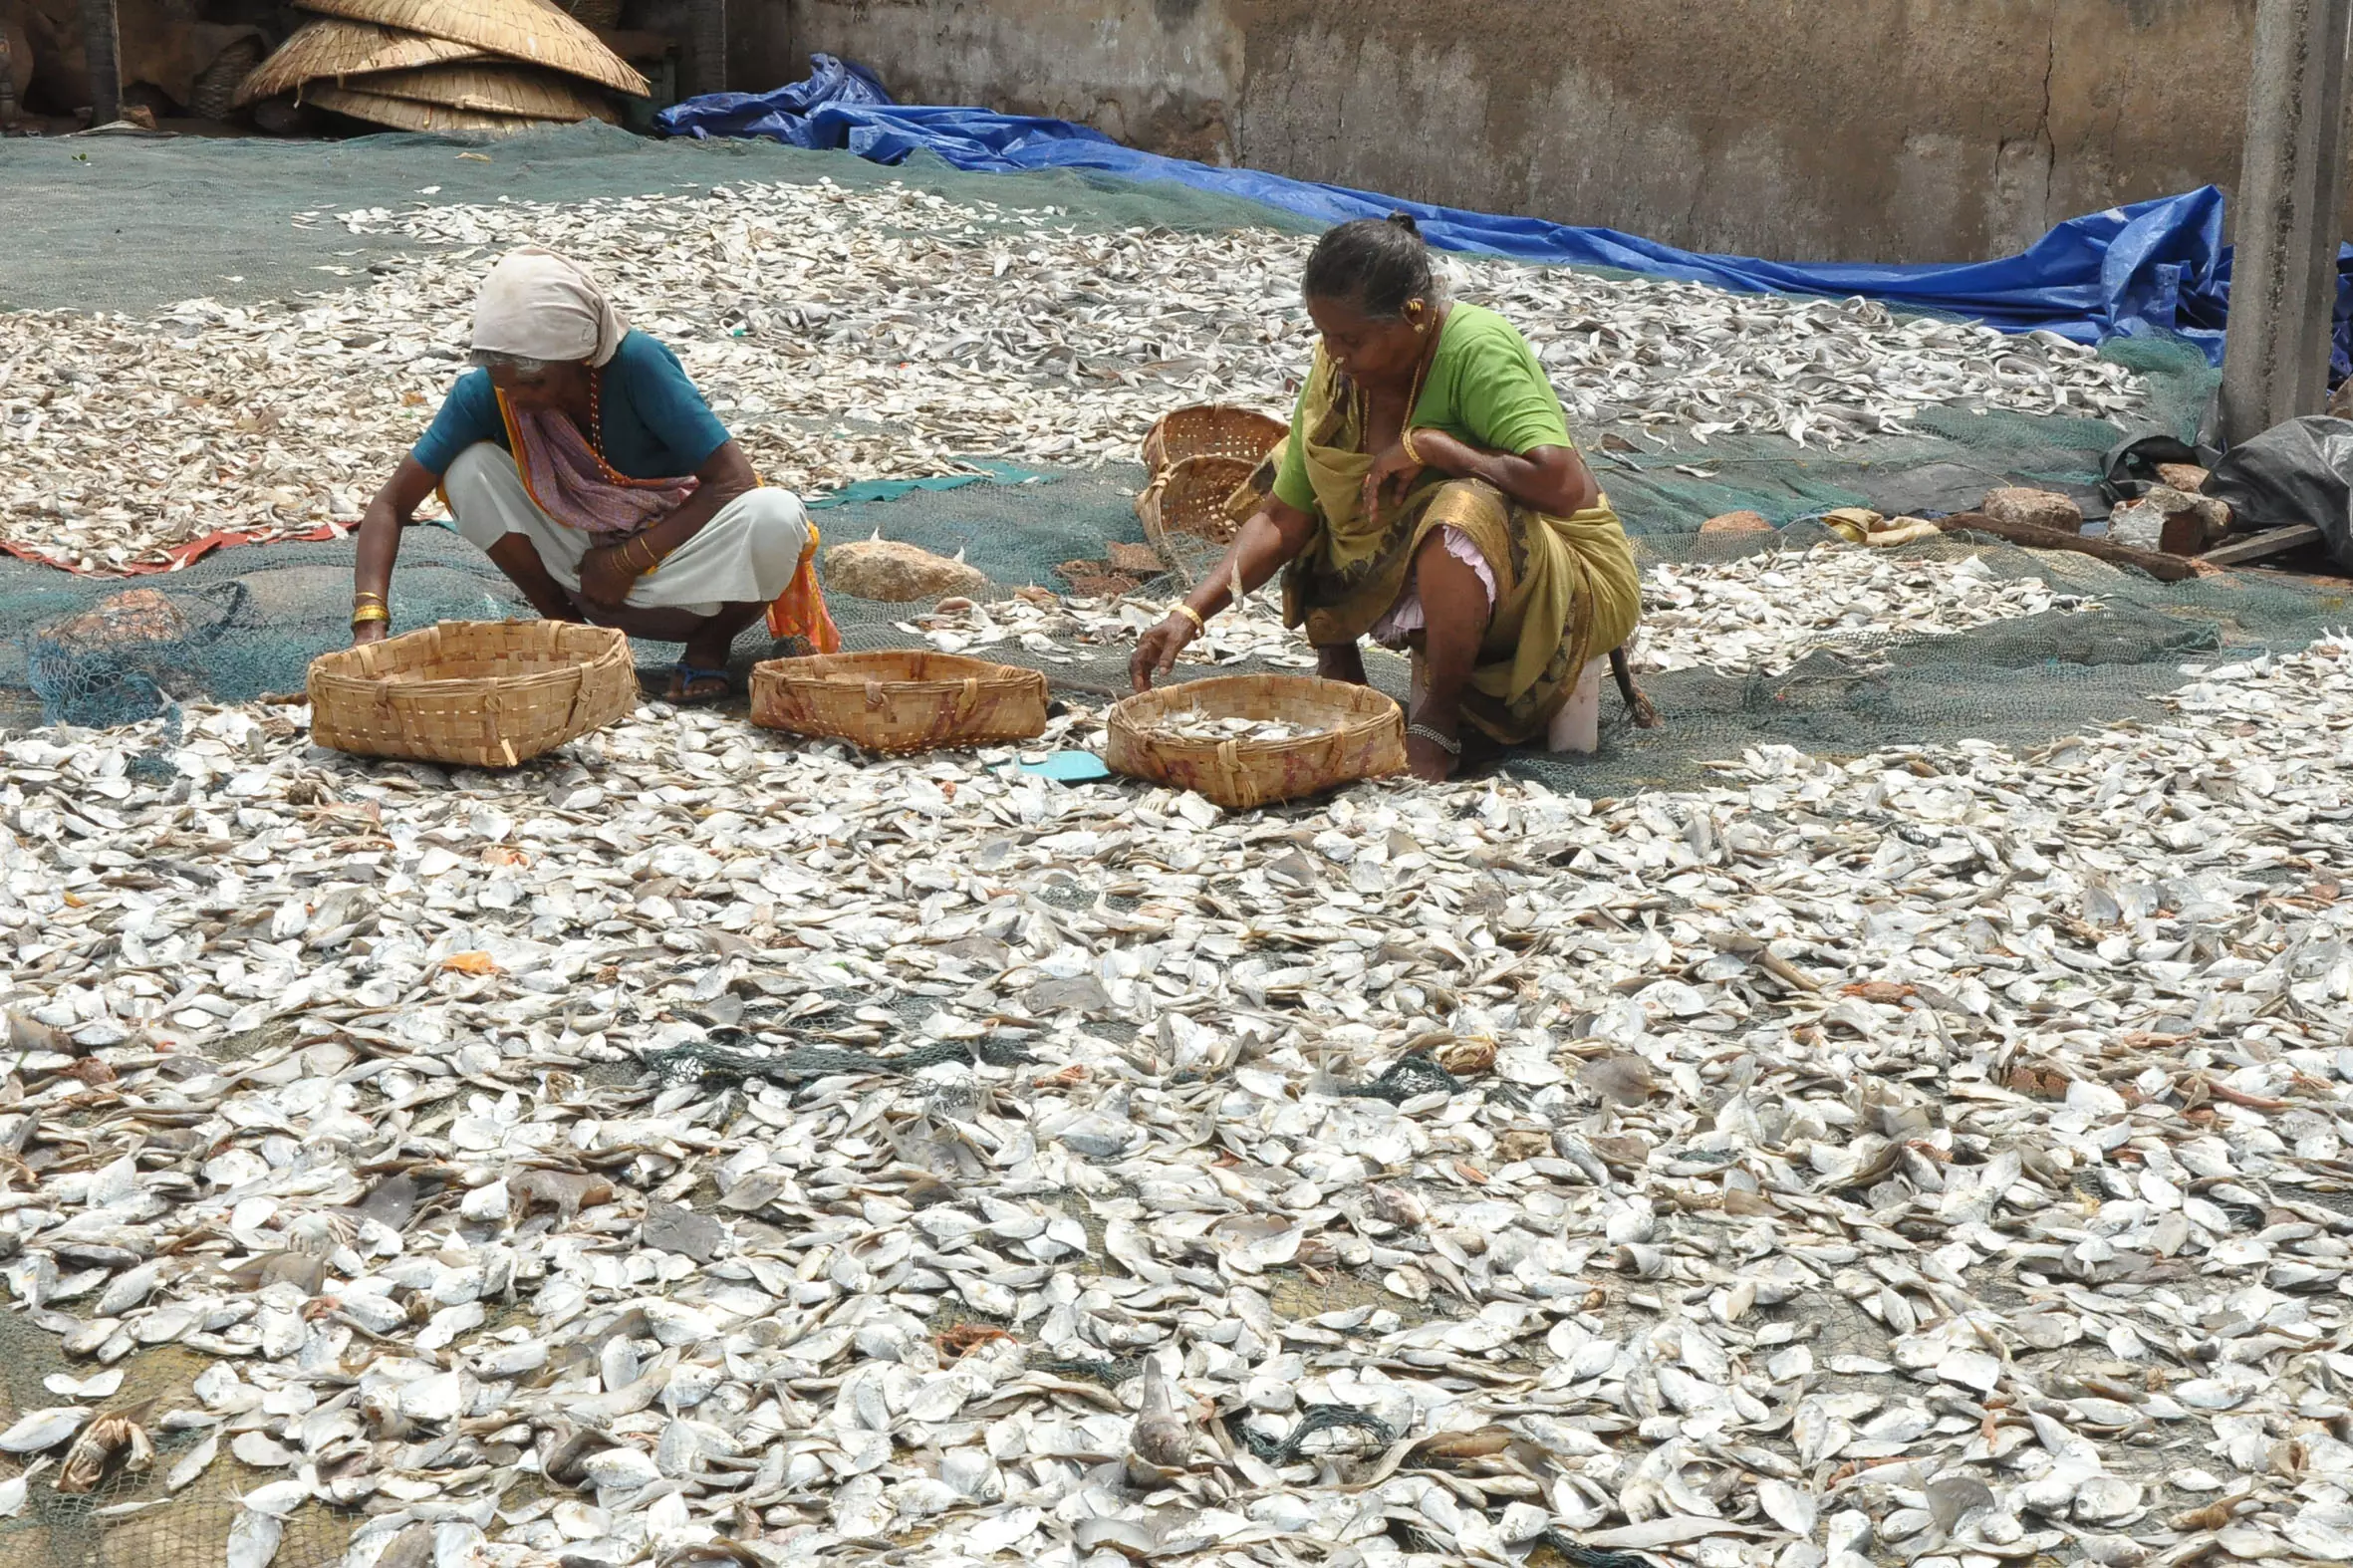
column 2297, row 472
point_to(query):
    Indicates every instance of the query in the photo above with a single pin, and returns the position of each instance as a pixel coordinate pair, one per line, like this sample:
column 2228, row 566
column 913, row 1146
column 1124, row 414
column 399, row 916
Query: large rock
column 2183, row 476
column 2170, row 520
column 897, row 573
column 2040, row 508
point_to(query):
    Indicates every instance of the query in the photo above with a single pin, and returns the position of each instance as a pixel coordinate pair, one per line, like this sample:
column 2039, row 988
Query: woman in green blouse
column 1429, row 496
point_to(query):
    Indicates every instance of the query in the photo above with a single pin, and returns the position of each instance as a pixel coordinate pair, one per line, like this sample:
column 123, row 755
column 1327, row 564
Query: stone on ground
column 896, row 573
column 2041, row 508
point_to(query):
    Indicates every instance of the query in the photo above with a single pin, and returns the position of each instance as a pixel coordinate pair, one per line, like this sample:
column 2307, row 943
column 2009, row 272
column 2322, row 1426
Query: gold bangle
column 363, row 615
column 363, row 594
column 652, row 561
column 1200, row 628
column 1405, row 442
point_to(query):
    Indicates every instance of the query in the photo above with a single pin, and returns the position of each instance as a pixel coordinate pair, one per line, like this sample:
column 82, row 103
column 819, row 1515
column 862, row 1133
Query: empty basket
column 1190, row 498
column 1363, row 736
column 1211, row 429
column 472, row 693
column 900, row 700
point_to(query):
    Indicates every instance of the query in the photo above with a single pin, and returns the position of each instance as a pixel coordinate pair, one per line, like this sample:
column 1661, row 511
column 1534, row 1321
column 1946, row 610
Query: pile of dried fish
column 1766, row 611
column 1763, row 613
column 1191, row 724
column 851, row 333
column 707, row 1146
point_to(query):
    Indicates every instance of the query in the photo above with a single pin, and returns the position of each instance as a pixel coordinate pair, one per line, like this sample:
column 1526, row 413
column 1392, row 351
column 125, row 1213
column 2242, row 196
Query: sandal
column 684, row 694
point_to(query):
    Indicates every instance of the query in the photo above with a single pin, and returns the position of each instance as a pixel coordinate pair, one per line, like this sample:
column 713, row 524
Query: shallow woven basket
column 334, row 50
column 900, row 700
column 1190, row 498
column 403, row 114
column 527, row 30
column 1366, row 738
column 472, row 693
column 1211, row 429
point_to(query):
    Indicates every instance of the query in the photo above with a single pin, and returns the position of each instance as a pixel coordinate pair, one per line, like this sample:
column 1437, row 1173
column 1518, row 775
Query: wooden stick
column 2253, row 547
column 2032, row 536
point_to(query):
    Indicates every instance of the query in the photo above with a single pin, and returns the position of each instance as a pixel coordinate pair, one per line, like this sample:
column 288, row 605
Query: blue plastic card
column 1069, row 767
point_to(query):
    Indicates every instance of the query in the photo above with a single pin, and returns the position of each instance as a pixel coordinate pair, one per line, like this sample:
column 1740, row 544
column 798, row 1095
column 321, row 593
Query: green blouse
column 1484, row 387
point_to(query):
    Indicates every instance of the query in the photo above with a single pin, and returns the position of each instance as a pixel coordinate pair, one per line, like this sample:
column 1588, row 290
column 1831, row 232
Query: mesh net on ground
column 254, row 618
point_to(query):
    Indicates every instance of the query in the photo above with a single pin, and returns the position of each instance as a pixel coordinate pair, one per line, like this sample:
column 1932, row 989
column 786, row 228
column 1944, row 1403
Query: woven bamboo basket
column 1211, row 429
column 472, row 693
column 527, row 30
column 403, row 114
column 490, row 90
column 1190, row 498
column 900, row 701
column 331, row 48
column 1365, row 737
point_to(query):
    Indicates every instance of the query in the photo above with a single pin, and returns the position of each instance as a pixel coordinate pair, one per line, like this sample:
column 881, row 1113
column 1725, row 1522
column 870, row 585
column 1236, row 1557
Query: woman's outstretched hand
column 1156, row 650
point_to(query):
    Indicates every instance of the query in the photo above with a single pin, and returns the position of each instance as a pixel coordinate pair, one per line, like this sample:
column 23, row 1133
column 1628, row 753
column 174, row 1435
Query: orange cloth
column 800, row 610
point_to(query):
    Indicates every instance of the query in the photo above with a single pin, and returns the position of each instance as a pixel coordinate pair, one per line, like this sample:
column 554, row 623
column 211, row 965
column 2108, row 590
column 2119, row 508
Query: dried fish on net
column 851, row 332
column 1784, row 1233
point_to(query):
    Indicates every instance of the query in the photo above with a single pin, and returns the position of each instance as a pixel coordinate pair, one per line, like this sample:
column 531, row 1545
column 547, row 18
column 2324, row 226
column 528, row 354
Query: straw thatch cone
column 335, row 50
column 490, row 90
column 526, row 30
column 406, row 113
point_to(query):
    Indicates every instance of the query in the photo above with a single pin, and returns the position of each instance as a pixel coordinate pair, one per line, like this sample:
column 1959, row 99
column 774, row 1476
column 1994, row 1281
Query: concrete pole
column 2291, row 183
column 102, row 47
column 707, row 48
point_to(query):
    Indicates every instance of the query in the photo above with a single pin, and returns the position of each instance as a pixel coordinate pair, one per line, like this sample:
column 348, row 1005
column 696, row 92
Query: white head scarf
column 536, row 305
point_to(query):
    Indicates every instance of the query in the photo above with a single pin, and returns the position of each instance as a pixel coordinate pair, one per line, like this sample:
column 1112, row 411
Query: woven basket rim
column 330, row 666
column 1213, row 413
column 842, row 673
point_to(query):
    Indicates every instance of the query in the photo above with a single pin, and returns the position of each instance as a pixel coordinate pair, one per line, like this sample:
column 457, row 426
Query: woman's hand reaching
column 1156, row 650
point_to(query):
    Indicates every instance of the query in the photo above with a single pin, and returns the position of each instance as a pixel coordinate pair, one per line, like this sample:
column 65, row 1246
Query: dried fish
column 855, row 334
column 1935, row 1154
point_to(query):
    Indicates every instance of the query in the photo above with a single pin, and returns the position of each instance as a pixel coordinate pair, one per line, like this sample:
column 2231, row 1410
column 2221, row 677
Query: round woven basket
column 1190, row 498
column 472, row 693
column 900, row 700
column 1364, row 737
column 1211, row 429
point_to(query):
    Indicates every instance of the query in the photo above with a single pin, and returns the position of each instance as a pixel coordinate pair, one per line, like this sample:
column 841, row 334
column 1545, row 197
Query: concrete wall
column 1854, row 130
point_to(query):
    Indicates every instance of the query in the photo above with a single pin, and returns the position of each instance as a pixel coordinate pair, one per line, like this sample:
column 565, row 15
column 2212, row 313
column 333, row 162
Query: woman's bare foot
column 1430, row 762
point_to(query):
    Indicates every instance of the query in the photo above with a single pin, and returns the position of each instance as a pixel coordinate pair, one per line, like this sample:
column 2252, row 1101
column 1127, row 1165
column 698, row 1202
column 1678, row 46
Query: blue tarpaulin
column 2153, row 267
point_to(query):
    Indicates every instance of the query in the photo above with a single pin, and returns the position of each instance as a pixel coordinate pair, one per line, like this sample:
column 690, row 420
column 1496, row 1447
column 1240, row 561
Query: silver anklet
column 1445, row 743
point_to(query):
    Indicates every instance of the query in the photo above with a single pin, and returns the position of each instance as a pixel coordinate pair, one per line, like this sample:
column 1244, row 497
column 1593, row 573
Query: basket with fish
column 1190, row 498
column 472, row 693
column 1251, row 740
column 900, row 700
column 1211, row 429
